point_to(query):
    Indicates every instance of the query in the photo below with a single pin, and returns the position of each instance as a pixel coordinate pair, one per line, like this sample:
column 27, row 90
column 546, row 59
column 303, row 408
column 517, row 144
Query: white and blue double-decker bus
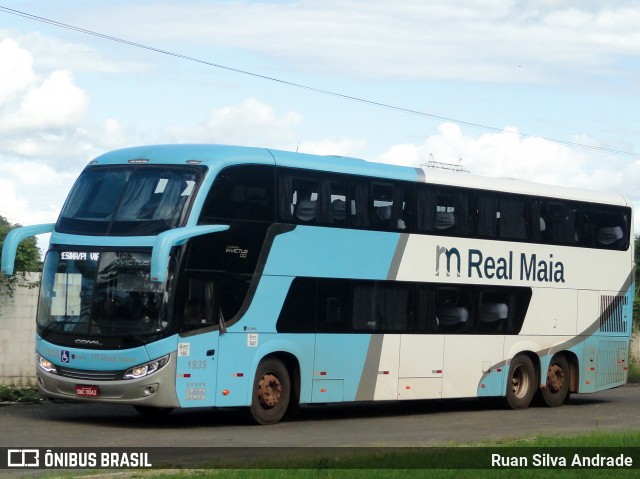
column 215, row 276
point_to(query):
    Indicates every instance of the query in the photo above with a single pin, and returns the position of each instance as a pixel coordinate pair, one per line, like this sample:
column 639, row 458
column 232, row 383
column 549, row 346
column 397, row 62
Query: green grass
column 394, row 463
column 447, row 461
column 392, row 474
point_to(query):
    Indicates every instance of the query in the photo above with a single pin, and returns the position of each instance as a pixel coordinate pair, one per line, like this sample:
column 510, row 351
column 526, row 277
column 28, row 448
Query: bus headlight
column 146, row 369
column 45, row 364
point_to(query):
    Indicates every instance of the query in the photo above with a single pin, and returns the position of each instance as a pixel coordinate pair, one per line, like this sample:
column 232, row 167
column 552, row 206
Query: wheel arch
column 530, row 347
column 574, row 368
column 574, row 371
column 290, row 360
column 276, row 395
column 292, row 364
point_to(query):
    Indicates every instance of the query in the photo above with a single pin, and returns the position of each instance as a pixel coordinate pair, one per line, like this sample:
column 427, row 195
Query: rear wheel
column 271, row 392
column 521, row 384
column 556, row 389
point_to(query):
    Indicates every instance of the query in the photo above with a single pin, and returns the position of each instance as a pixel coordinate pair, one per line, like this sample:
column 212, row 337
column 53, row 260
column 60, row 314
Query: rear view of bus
column 216, row 276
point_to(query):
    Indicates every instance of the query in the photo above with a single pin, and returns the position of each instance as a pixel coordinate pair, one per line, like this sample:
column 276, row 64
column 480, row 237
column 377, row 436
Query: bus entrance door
column 196, row 370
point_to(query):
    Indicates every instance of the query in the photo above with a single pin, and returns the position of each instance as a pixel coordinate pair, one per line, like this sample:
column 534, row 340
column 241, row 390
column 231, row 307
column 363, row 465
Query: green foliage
column 27, row 260
column 636, row 300
column 634, row 372
column 16, row 394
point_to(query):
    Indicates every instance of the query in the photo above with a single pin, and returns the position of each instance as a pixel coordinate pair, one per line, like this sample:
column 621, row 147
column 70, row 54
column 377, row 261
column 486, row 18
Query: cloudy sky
column 556, row 83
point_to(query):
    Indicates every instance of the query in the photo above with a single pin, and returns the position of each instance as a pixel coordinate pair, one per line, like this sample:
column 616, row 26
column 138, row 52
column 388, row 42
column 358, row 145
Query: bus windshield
column 129, row 200
column 100, row 294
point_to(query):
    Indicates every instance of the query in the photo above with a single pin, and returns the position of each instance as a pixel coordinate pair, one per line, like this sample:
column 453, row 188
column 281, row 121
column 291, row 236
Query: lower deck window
column 353, row 306
column 206, row 299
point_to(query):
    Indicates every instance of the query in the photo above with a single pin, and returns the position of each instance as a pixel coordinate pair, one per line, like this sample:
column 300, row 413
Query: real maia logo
column 526, row 267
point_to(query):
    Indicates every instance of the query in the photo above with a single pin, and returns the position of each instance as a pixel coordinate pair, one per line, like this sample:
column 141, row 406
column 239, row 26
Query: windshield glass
column 100, row 294
column 129, row 200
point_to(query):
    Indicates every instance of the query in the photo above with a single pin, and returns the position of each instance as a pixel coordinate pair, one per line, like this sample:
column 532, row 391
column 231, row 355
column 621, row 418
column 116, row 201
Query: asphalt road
column 415, row 423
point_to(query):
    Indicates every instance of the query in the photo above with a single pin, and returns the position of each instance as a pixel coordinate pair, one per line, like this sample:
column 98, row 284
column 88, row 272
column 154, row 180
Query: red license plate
column 87, row 391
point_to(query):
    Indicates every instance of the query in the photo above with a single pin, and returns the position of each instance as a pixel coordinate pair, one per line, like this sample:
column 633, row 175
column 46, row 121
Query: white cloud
column 52, row 53
column 252, row 123
column 481, row 40
column 344, row 147
column 32, row 193
column 16, row 72
column 507, row 154
column 44, row 116
column 13, row 207
column 38, row 113
column 54, row 104
column 44, row 138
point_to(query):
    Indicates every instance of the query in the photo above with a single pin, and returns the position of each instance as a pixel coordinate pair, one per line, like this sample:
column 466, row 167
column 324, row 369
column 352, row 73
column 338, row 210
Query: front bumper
column 156, row 390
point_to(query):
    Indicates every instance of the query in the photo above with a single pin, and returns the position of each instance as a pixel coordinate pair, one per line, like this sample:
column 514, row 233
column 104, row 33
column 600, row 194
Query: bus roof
column 215, row 156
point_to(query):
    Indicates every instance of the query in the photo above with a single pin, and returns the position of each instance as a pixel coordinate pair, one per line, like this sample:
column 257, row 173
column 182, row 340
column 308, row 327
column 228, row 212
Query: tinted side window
column 359, row 306
column 443, row 211
column 381, row 205
column 425, row 317
column 334, row 306
column 382, row 306
column 502, row 216
column 454, row 309
column 558, row 222
column 206, row 298
column 298, row 314
column 245, row 192
column 496, row 311
column 606, row 228
column 312, row 198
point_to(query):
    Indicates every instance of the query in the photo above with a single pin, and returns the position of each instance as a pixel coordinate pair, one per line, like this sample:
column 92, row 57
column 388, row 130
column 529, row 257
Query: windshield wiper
column 54, row 324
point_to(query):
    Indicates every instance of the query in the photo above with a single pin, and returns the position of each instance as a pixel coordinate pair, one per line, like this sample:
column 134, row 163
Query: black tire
column 150, row 411
column 521, row 382
column 556, row 389
column 271, row 392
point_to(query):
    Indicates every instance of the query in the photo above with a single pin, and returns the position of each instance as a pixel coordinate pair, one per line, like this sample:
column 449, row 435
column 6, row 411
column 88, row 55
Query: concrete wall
column 17, row 335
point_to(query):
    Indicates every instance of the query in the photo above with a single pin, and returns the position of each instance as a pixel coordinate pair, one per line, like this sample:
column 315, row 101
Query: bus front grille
column 90, row 375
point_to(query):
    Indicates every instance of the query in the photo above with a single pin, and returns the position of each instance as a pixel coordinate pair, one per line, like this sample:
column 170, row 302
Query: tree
column 27, row 260
column 636, row 301
column 637, row 256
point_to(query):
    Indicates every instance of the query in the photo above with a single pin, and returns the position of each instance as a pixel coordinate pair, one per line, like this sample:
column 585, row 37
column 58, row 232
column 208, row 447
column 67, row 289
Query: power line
column 343, row 96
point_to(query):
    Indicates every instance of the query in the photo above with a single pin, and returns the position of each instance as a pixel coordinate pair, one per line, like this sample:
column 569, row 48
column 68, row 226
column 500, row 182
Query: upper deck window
column 130, row 200
column 241, row 192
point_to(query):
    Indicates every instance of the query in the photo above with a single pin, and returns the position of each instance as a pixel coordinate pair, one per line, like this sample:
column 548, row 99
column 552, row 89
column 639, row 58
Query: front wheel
column 271, row 392
column 556, row 390
column 521, row 382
